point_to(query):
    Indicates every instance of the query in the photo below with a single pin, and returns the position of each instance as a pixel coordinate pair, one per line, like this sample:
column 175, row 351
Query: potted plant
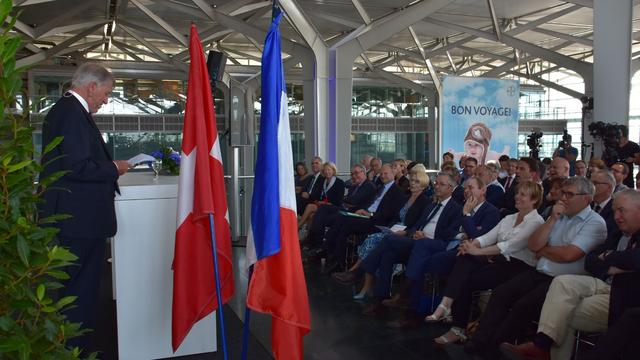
column 31, row 267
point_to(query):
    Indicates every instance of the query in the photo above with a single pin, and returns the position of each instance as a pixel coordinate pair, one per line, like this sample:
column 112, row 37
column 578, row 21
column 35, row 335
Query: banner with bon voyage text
column 479, row 117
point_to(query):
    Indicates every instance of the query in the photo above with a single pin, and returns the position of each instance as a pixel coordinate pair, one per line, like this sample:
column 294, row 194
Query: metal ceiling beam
column 543, row 20
column 206, row 36
column 494, row 20
column 47, row 54
column 164, row 57
column 83, row 47
column 71, row 28
column 250, row 7
column 485, row 53
column 578, row 66
column 163, row 24
column 432, row 71
column 509, row 65
column 17, row 3
column 145, row 30
column 64, row 18
column 549, row 84
column 126, row 51
column 362, row 11
column 583, row 3
column 28, row 30
column 337, row 20
column 563, row 36
column 134, row 49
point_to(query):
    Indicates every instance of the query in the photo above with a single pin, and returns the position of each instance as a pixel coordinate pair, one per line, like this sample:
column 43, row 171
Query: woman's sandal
column 453, row 336
column 446, row 313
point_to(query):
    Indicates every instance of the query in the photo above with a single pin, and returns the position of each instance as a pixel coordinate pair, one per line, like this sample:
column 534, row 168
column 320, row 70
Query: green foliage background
column 31, row 267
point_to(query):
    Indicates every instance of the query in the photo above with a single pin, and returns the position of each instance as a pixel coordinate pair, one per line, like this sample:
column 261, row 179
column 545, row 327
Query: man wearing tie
column 314, row 189
column 87, row 189
column 605, row 183
column 438, row 224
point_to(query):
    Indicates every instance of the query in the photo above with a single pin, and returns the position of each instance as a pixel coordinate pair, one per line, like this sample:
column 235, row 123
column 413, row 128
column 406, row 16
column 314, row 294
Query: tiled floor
column 339, row 331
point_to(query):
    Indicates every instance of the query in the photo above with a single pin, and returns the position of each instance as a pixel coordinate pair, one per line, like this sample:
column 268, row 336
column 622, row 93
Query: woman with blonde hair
column 332, row 193
column 489, row 260
column 409, row 215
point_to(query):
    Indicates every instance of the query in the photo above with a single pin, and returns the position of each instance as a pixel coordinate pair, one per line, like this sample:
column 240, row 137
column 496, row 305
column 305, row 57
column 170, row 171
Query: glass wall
column 390, row 145
column 371, row 101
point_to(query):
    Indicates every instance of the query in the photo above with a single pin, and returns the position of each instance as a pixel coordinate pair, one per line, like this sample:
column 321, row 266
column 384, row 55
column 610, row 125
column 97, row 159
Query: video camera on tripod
column 534, row 142
column 610, row 135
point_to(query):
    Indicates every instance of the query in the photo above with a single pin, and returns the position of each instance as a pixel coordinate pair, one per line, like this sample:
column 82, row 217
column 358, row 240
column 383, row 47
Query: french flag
column 277, row 286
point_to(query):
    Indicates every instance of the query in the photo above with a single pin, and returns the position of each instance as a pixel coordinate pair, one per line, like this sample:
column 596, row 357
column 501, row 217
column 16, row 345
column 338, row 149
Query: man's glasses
column 569, row 195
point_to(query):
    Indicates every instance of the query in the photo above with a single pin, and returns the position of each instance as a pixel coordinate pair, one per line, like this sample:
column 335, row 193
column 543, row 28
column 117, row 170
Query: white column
column 612, row 60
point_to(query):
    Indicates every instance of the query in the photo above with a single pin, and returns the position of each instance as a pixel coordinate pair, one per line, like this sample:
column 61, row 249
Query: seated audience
column 469, row 170
column 590, row 302
column 458, row 190
column 620, row 172
column 596, row 164
column 382, row 212
column 503, row 161
column 302, row 177
column 510, row 178
column 437, row 226
column 581, row 168
column 527, row 170
column 560, row 244
column 331, row 194
column 604, row 183
column 314, row 188
column 359, row 196
column 399, row 166
column 489, row 260
column 554, row 195
column 409, row 214
column 489, row 175
column 374, row 173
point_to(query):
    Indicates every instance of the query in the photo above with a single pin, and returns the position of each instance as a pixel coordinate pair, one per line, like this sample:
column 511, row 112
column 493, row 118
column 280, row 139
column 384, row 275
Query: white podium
column 142, row 252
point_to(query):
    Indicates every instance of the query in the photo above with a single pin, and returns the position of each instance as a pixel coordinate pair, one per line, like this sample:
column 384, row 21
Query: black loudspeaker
column 215, row 65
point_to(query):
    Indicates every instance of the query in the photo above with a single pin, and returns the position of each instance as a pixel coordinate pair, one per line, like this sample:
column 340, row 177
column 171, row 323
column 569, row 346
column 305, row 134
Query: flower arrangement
column 170, row 160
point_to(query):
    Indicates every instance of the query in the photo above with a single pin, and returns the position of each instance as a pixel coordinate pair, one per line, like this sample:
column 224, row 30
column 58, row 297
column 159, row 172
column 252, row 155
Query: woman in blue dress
column 409, row 215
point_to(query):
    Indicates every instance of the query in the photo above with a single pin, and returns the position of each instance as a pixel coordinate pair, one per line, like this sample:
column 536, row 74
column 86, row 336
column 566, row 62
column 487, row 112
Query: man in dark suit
column 605, row 183
column 374, row 173
column 438, row 256
column 361, row 193
column 489, row 175
column 383, row 211
column 438, row 224
column 86, row 191
column 314, row 188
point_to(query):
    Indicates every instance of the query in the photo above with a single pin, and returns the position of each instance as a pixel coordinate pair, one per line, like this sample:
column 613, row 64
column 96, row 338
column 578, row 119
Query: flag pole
column 218, row 290
column 247, row 320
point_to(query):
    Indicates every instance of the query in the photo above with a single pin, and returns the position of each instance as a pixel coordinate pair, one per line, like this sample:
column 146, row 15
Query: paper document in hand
column 398, row 227
column 346, row 213
column 140, row 158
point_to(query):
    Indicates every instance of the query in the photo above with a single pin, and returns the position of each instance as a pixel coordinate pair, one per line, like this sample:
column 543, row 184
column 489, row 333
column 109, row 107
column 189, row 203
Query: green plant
column 31, row 323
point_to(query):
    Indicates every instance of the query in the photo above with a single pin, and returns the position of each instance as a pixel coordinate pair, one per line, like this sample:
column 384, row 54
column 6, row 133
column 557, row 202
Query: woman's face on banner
column 474, row 149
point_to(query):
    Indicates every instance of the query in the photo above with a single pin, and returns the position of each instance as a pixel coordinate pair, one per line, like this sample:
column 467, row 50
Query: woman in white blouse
column 489, row 260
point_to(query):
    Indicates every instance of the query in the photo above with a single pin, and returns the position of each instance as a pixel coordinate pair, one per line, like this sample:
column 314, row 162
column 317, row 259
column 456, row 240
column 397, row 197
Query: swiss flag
column 201, row 192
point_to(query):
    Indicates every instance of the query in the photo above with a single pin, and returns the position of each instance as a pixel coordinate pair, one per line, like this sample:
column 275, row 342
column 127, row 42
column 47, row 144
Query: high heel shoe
column 453, row 336
column 359, row 296
column 446, row 313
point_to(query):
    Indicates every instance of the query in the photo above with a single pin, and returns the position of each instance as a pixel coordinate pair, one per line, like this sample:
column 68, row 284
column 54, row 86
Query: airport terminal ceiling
column 493, row 38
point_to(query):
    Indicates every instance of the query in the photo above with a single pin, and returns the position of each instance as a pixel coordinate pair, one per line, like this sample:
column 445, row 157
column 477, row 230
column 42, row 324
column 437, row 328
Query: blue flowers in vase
column 170, row 159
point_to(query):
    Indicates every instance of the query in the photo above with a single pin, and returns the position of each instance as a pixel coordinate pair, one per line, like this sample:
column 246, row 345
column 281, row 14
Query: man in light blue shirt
column 570, row 232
